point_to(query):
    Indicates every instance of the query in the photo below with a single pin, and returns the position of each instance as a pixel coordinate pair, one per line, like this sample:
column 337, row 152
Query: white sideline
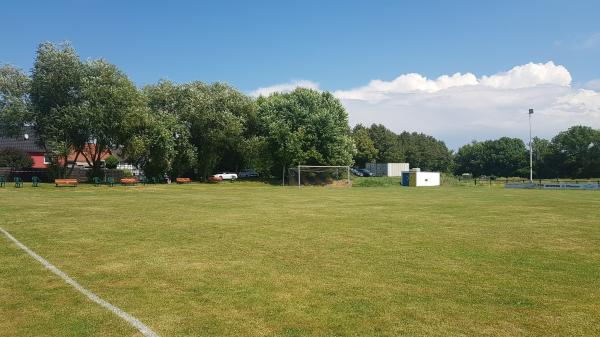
column 144, row 329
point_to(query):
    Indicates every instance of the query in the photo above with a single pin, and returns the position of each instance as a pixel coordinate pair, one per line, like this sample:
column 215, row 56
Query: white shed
column 417, row 179
column 387, row 169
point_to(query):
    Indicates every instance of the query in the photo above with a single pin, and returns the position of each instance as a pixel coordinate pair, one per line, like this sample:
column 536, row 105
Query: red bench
column 183, row 180
column 65, row 182
column 129, row 181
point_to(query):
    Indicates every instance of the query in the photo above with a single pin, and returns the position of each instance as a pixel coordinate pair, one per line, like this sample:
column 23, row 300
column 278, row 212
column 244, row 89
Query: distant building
column 27, row 142
column 387, row 169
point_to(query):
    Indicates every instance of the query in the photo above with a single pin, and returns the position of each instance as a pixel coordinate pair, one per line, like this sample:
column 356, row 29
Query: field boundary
column 136, row 323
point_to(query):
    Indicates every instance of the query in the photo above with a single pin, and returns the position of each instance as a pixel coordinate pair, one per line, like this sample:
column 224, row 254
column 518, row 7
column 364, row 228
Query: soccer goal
column 320, row 175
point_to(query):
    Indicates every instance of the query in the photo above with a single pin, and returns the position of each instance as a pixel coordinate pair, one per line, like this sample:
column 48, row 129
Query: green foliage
column 158, row 143
column 305, row 127
column 387, row 144
column 111, row 162
column 15, row 106
column 576, row 152
column 418, row 149
column 127, row 173
column 425, row 152
column 175, row 129
column 56, row 97
column 15, row 159
column 504, row 157
column 365, row 147
column 216, row 116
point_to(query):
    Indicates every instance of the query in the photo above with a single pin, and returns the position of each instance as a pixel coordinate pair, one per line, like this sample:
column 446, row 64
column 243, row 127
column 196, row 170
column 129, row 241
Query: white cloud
column 528, row 75
column 592, row 85
column 285, row 87
column 462, row 107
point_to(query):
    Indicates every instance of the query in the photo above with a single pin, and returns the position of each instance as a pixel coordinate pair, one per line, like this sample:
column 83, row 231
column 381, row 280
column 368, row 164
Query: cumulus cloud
column 285, row 87
column 459, row 108
column 528, row 75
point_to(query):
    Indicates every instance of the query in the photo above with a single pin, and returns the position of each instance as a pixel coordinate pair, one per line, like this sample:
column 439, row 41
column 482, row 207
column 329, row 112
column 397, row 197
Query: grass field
column 247, row 259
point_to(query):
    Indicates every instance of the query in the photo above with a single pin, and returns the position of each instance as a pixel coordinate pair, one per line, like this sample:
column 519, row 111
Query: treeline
column 196, row 129
column 379, row 144
column 189, row 129
column 574, row 153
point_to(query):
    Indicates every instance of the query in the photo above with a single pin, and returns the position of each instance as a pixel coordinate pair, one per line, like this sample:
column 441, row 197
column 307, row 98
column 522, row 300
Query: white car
column 226, row 176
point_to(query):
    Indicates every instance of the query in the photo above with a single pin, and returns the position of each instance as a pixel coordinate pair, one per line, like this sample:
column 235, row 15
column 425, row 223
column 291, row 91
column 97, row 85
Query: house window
column 46, row 159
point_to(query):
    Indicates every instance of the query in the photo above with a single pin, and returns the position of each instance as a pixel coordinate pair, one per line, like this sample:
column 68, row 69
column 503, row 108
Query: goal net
column 304, row 175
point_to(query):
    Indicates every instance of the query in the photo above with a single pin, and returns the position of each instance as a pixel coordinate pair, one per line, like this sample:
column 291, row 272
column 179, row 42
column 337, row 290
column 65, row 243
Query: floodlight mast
column 530, row 149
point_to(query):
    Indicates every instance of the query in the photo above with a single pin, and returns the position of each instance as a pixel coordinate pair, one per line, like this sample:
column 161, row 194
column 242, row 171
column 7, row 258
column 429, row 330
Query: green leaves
column 15, row 106
column 305, row 127
column 504, row 157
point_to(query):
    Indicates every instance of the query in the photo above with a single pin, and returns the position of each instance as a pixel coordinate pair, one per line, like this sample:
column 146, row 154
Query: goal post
column 320, row 175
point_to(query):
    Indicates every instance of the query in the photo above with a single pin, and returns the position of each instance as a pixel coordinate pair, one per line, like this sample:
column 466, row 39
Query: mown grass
column 258, row 260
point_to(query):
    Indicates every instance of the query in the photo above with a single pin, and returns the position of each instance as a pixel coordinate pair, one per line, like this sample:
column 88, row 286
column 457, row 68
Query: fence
column 487, row 181
column 45, row 175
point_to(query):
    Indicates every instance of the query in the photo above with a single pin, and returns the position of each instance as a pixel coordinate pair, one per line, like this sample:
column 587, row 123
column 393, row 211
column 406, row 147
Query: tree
column 217, row 118
column 158, row 144
column 56, row 97
column 543, row 165
column 365, row 147
column 111, row 162
column 108, row 98
column 504, row 157
column 425, row 151
column 15, row 105
column 387, row 144
column 305, row 127
column 15, row 159
column 576, row 152
column 470, row 159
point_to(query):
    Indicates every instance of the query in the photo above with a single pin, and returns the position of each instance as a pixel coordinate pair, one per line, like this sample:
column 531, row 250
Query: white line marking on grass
column 144, row 329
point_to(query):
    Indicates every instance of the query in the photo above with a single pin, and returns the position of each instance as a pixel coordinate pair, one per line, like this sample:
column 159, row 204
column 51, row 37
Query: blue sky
column 338, row 45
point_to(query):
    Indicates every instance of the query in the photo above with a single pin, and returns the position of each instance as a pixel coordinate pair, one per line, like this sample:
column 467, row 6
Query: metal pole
column 298, row 176
column 348, row 172
column 530, row 149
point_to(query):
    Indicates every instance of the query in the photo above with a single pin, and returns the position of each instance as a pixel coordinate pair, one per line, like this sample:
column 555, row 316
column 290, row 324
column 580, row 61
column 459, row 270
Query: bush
column 127, row 173
column 16, row 159
column 111, row 162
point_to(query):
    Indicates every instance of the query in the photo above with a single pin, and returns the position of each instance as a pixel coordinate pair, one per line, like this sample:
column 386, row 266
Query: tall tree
column 56, row 97
column 576, row 152
column 305, row 127
column 425, row 151
column 543, row 166
column 504, row 157
column 108, row 98
column 387, row 144
column 217, row 116
column 15, row 105
column 365, row 147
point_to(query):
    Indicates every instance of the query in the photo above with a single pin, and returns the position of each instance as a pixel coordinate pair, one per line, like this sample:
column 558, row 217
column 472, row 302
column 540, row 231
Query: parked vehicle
column 356, row 172
column 214, row 179
column 226, row 176
column 247, row 173
column 365, row 173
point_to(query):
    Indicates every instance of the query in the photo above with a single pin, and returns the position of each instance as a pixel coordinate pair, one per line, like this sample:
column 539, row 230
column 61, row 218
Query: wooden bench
column 65, row 182
column 183, row 180
column 129, row 181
